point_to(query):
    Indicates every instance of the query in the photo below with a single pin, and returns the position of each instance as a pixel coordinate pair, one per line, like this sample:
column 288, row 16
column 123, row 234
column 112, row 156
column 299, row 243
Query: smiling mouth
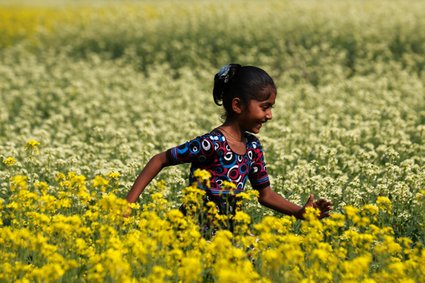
column 259, row 125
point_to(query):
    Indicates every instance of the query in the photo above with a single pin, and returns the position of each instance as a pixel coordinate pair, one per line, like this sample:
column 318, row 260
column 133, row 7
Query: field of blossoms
column 90, row 90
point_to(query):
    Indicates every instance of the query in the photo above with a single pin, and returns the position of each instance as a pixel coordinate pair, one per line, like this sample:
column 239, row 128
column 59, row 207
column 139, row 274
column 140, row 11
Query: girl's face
column 256, row 113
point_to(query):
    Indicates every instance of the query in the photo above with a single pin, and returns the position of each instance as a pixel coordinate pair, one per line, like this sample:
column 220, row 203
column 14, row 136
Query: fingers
column 324, row 206
column 324, row 215
column 323, row 203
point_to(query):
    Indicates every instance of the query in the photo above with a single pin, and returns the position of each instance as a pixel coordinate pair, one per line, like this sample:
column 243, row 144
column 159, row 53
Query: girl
column 230, row 152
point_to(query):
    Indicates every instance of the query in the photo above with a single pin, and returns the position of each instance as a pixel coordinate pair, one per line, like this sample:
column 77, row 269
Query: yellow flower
column 248, row 195
column 223, row 237
column 311, row 214
column 43, row 187
column 370, row 209
column 242, row 217
column 202, row 176
column 242, row 220
column 228, row 185
column 387, row 246
column 175, row 215
column 384, row 204
column 47, row 203
column 320, row 254
column 48, row 272
column 32, row 146
column 9, row 161
column 60, row 177
column 357, row 268
column 100, row 182
column 190, row 269
column 19, row 182
column 159, row 274
column 32, row 143
column 64, row 203
column 78, row 181
column 352, row 213
column 211, row 208
column 274, row 224
column 271, row 257
column 97, row 273
column 114, row 175
column 193, row 199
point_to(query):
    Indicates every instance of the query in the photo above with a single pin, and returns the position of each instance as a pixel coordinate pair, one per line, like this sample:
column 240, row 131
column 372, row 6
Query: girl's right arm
column 152, row 168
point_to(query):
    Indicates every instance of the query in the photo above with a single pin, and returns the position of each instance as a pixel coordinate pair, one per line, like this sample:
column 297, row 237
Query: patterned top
column 211, row 152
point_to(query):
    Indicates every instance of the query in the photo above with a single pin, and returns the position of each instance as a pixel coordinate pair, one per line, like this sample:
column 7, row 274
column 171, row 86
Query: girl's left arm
column 275, row 201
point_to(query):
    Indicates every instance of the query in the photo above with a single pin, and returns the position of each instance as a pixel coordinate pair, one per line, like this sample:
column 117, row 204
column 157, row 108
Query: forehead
column 266, row 102
column 269, row 95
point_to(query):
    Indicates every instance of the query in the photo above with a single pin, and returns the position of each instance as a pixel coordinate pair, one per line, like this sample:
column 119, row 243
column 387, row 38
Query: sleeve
column 258, row 175
column 198, row 150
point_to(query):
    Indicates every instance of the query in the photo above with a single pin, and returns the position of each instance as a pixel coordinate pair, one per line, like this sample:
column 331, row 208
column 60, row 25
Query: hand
column 127, row 211
column 323, row 205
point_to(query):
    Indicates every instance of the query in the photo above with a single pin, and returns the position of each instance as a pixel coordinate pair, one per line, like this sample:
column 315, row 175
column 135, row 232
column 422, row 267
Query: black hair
column 244, row 82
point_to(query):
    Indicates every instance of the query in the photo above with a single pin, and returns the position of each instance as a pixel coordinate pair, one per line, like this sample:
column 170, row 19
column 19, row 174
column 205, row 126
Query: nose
column 269, row 115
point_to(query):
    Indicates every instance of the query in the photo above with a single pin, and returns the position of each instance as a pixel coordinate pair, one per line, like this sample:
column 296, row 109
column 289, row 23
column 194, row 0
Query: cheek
column 254, row 111
column 260, row 112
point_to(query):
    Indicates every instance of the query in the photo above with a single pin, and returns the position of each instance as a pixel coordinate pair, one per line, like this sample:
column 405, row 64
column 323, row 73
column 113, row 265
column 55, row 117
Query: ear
column 237, row 105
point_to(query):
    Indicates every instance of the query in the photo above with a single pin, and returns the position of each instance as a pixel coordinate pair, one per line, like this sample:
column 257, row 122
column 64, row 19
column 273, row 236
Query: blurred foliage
column 304, row 41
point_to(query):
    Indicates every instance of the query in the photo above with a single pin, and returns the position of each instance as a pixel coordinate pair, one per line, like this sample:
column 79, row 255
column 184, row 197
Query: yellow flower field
column 89, row 91
column 71, row 231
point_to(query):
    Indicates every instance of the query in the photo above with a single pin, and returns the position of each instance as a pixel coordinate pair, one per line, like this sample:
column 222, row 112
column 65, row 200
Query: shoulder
column 207, row 142
column 253, row 141
column 215, row 135
column 202, row 145
column 210, row 136
column 254, row 146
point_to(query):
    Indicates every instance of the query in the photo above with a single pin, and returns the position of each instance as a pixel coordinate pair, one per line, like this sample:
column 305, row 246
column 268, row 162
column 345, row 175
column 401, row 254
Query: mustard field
column 91, row 90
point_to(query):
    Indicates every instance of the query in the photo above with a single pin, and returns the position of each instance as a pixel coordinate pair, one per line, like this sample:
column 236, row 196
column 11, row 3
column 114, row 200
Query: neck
column 233, row 129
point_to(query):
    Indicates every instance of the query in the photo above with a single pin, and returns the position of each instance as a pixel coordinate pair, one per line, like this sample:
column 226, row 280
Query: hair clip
column 224, row 73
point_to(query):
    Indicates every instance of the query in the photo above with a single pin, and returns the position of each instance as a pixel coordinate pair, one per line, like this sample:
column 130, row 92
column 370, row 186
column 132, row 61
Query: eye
column 267, row 106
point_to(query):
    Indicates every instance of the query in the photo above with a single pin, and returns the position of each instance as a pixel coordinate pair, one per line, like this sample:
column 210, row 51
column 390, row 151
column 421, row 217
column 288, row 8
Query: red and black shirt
column 212, row 153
